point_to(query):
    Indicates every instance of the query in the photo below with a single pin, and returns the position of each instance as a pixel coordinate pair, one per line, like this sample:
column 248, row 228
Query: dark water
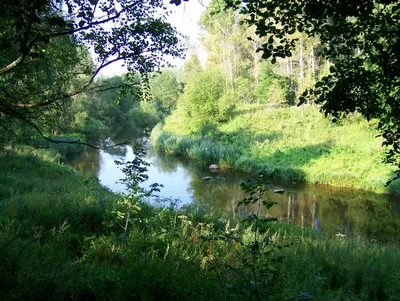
column 327, row 209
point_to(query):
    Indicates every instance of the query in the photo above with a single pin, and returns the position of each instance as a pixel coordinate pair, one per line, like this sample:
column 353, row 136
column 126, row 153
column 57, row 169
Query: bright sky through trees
column 185, row 18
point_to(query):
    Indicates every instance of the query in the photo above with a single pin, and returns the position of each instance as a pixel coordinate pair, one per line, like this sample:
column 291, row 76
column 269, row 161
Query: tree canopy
column 45, row 59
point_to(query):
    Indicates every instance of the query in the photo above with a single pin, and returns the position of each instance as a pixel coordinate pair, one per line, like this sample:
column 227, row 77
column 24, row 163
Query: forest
column 299, row 91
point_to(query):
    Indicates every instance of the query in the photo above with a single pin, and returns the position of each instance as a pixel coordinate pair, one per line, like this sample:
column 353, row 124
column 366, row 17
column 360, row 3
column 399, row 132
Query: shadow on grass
column 241, row 138
column 286, row 164
column 263, row 137
column 248, row 110
column 300, row 156
column 211, row 145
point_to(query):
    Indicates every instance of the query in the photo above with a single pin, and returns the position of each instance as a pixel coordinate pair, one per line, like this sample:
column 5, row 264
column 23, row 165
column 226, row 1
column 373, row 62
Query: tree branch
column 71, row 94
column 78, row 29
column 13, row 64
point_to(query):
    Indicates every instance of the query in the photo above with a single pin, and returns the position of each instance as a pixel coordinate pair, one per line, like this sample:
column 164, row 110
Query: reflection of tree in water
column 366, row 218
column 88, row 163
column 218, row 195
column 295, row 208
column 120, row 150
column 374, row 220
column 371, row 219
column 163, row 162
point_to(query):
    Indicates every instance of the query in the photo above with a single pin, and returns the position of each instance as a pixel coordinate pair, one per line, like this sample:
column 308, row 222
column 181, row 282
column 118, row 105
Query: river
column 334, row 211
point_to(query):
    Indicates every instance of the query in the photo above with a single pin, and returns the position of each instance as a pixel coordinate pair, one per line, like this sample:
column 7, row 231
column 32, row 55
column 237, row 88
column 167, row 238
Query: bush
column 273, row 89
column 142, row 116
column 202, row 98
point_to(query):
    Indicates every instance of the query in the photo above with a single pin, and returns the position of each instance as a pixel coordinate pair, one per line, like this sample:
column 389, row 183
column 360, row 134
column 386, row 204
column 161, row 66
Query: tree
column 228, row 48
column 192, row 65
column 44, row 57
column 165, row 90
column 203, row 100
column 95, row 113
column 273, row 89
column 360, row 38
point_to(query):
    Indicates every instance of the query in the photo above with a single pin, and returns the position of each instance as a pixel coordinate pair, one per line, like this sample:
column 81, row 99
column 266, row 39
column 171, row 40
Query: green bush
column 273, row 89
column 201, row 100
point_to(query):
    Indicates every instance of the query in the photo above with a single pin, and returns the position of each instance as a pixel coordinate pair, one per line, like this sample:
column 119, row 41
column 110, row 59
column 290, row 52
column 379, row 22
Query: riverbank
column 295, row 144
column 61, row 239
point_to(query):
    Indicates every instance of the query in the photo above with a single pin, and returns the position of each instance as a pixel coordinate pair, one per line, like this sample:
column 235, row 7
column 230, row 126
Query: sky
column 185, row 18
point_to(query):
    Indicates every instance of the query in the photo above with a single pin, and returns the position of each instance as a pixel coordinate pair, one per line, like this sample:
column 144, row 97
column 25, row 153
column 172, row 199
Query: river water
column 330, row 210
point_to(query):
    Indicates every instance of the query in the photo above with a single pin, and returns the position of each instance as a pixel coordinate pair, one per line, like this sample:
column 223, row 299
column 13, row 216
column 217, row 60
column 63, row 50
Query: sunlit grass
column 293, row 143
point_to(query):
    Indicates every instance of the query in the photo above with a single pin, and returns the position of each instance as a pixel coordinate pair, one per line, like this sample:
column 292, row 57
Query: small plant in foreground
column 127, row 207
column 249, row 268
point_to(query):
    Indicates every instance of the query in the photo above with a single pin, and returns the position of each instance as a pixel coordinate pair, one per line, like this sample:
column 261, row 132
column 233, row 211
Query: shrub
column 202, row 98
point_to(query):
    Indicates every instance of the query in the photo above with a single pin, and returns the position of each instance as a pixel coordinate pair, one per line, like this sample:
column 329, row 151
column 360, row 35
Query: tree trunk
column 301, row 75
column 301, row 63
column 312, row 65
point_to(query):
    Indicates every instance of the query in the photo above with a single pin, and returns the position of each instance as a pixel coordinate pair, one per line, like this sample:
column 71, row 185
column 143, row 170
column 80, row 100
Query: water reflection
column 327, row 209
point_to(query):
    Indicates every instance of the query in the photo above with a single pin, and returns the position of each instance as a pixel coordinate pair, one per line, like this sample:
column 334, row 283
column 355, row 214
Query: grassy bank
column 59, row 242
column 55, row 244
column 290, row 143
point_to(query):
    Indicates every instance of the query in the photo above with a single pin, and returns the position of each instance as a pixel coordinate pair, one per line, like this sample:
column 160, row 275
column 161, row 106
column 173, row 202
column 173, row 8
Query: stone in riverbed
column 213, row 166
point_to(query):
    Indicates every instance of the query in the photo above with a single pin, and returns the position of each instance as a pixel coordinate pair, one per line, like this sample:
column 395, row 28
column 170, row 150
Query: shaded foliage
column 44, row 60
column 165, row 90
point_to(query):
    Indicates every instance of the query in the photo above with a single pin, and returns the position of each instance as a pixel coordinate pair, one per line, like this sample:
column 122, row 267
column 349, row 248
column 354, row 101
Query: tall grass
column 297, row 144
column 55, row 245
column 339, row 268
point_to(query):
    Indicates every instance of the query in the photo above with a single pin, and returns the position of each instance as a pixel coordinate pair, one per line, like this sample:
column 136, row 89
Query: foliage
column 226, row 44
column 45, row 60
column 97, row 114
column 192, row 65
column 255, row 252
column 135, row 172
column 142, row 117
column 273, row 89
column 165, row 91
column 55, row 244
column 203, row 100
column 360, row 38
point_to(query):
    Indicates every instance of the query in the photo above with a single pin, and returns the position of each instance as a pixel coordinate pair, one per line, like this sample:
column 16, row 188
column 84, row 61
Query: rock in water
column 279, row 191
column 213, row 166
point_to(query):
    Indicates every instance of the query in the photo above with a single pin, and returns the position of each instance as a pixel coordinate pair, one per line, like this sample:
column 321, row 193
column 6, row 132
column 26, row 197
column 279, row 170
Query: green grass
column 340, row 269
column 57, row 244
column 285, row 143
